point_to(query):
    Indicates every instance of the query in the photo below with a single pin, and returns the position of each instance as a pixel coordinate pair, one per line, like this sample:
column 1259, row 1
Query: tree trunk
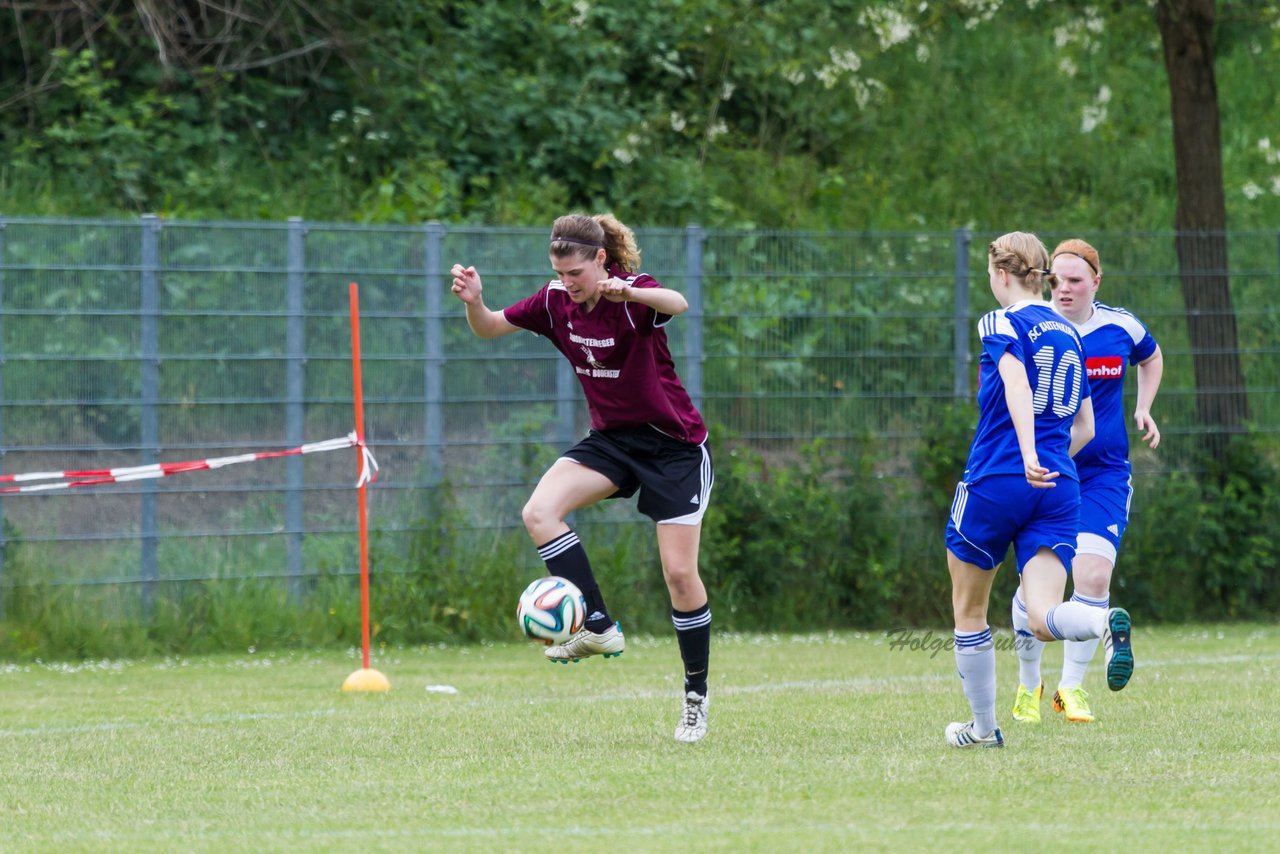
column 1186, row 29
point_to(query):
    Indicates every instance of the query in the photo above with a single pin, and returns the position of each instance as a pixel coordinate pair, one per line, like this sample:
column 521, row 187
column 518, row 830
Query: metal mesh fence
column 136, row 342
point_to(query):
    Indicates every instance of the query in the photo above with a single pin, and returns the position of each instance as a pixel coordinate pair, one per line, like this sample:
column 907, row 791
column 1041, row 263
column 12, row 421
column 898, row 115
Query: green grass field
column 829, row 742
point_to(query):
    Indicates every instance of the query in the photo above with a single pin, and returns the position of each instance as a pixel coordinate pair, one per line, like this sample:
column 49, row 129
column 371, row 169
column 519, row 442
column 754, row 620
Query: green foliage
column 817, row 541
column 1205, row 545
column 451, row 584
column 445, row 580
column 797, row 544
column 45, row 621
column 727, row 112
column 943, row 454
column 800, row 115
column 129, row 141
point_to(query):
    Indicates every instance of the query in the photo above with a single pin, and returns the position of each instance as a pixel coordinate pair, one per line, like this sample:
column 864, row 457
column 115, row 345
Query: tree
column 1186, row 31
column 39, row 38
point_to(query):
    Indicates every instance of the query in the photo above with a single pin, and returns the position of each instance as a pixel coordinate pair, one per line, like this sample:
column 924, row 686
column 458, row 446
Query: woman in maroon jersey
column 608, row 319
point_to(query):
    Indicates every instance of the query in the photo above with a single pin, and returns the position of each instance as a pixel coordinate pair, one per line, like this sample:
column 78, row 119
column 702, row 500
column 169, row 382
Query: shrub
column 797, row 546
column 1204, row 546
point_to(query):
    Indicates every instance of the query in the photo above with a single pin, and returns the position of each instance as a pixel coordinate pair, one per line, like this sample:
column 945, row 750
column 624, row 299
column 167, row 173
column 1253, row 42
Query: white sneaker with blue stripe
column 963, row 735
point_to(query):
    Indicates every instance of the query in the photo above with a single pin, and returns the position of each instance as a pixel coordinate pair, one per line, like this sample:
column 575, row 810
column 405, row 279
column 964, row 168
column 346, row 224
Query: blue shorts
column 1002, row 510
column 1104, row 512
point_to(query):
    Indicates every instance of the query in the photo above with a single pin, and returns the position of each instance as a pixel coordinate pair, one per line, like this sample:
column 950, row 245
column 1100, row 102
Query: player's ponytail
column 619, row 243
column 1023, row 256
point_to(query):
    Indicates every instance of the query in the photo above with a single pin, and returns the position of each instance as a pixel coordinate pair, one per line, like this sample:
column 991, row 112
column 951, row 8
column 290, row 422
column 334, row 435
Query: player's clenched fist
column 466, row 283
column 614, row 289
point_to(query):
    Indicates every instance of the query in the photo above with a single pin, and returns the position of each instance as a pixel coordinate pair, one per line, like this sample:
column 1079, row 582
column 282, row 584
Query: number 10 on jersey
column 1058, row 382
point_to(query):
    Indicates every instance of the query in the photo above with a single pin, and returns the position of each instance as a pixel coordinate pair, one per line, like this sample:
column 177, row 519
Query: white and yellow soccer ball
column 551, row 610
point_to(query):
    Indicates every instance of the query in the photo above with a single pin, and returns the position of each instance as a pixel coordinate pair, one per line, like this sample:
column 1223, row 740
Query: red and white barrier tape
column 95, row 477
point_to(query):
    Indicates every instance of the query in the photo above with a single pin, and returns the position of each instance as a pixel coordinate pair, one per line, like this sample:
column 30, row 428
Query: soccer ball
column 551, row 610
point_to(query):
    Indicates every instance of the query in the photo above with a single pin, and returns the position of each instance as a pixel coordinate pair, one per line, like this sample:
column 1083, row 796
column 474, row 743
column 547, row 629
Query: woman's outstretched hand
column 466, row 284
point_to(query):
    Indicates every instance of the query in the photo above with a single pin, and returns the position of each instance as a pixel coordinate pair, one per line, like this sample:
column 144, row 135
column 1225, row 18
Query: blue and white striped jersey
column 1048, row 346
column 1113, row 339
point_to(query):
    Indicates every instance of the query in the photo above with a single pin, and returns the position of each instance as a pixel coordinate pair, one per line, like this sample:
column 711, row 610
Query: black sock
column 693, row 633
column 565, row 557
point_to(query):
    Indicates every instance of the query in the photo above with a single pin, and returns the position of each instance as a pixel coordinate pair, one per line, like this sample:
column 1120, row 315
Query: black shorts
column 674, row 478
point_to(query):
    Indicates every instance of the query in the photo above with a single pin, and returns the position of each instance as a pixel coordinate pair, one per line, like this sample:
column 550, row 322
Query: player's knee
column 969, row 606
column 681, row 579
column 969, row 615
column 537, row 516
column 1092, row 580
column 1036, row 623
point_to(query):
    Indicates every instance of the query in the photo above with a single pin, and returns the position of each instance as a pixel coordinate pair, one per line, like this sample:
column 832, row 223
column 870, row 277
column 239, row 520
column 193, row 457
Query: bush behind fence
column 835, row 370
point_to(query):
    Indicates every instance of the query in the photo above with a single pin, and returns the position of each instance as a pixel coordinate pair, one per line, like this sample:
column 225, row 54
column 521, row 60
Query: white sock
column 976, row 663
column 1075, row 621
column 1028, row 647
column 1076, row 654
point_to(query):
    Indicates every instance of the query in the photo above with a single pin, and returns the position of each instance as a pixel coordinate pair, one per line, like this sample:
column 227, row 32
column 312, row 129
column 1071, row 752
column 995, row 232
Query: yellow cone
column 366, row 679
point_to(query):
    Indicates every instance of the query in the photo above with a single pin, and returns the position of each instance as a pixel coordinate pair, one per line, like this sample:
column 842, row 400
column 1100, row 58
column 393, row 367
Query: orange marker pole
column 357, row 384
column 364, row 679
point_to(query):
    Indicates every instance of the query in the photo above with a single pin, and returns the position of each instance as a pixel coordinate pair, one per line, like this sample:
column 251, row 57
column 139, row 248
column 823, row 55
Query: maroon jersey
column 619, row 352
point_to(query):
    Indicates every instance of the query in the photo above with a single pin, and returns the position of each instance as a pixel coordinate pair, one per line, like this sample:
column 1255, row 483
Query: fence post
column 960, row 387
column 4, row 540
column 295, row 394
column 694, row 237
column 148, row 421
column 565, row 381
column 433, row 366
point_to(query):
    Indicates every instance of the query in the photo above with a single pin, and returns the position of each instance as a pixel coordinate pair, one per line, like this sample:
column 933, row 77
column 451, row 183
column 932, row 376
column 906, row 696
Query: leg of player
column 565, row 487
column 1026, row 703
column 1091, row 578
column 1043, row 583
column 691, row 614
column 975, row 654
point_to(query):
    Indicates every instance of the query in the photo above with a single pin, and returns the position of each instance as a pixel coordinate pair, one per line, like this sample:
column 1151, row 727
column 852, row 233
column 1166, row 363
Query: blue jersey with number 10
column 1049, row 347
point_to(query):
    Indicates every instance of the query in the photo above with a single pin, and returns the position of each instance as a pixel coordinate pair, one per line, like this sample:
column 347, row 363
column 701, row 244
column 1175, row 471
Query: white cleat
column 609, row 643
column 693, row 720
column 962, row 735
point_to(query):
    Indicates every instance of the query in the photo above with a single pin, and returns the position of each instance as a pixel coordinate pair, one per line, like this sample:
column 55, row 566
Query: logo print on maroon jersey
column 591, row 357
column 1104, row 367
